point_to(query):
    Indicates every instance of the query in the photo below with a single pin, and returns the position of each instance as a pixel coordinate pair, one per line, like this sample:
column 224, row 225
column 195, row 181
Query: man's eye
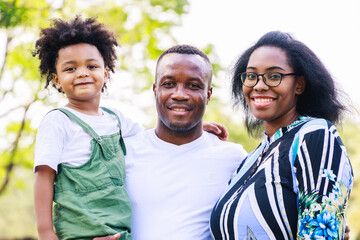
column 194, row 86
column 167, row 84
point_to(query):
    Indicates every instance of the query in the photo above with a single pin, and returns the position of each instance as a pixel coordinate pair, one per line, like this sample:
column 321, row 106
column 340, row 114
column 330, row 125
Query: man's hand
column 217, row 129
column 346, row 235
column 110, row 237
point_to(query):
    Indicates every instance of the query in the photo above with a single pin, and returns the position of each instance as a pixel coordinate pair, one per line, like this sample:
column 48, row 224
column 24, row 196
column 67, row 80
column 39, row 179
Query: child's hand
column 110, row 237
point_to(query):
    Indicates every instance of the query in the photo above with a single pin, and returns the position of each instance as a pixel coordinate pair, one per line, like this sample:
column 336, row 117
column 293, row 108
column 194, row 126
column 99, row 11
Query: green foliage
column 22, row 60
column 15, row 13
column 17, row 218
column 350, row 134
column 11, row 13
column 177, row 6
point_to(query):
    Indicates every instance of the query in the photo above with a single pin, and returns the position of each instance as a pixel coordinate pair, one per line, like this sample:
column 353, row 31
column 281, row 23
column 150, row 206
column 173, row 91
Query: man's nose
column 180, row 93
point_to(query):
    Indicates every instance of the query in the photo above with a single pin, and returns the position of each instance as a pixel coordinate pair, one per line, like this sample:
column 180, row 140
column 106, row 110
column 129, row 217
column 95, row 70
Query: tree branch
column 6, row 52
column 10, row 110
column 15, row 144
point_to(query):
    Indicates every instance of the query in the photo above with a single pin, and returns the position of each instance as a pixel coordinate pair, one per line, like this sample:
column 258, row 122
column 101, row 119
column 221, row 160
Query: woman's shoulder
column 317, row 130
column 313, row 124
column 314, row 131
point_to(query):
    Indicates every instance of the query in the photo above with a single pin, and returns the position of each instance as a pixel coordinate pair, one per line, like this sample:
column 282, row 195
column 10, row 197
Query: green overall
column 91, row 199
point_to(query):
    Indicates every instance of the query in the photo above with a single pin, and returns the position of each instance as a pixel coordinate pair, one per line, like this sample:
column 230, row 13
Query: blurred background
column 223, row 29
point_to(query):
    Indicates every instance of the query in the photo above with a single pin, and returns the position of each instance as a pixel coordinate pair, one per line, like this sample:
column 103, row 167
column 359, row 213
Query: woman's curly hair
column 62, row 34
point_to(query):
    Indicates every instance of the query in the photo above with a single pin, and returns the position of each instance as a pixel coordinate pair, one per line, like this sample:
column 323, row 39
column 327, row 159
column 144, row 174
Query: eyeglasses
column 271, row 79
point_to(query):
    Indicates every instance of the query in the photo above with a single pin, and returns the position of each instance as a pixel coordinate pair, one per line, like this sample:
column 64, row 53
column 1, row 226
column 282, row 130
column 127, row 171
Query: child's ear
column 56, row 80
column 300, row 85
column 106, row 74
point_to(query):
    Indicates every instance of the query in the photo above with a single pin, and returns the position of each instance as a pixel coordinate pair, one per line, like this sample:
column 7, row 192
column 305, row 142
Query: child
column 79, row 151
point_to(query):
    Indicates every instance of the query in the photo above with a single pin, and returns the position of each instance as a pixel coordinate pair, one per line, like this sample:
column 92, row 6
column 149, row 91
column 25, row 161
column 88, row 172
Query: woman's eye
column 274, row 76
column 251, row 76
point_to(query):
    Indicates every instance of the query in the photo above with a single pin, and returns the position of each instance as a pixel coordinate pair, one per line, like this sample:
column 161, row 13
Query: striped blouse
column 296, row 185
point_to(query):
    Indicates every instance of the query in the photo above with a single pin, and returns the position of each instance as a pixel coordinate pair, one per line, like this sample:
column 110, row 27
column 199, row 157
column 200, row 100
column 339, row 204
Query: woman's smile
column 262, row 102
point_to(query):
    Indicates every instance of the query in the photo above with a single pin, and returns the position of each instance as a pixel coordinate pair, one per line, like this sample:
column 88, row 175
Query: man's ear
column 154, row 88
column 300, row 85
column 209, row 92
column 56, row 80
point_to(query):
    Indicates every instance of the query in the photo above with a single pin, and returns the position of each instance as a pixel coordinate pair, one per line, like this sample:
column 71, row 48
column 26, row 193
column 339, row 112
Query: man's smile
column 179, row 107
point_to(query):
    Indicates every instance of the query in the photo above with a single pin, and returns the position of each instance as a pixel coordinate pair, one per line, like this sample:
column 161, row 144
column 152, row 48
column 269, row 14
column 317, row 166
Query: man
column 176, row 172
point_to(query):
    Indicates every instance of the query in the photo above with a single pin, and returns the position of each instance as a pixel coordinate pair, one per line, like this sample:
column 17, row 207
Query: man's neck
column 178, row 137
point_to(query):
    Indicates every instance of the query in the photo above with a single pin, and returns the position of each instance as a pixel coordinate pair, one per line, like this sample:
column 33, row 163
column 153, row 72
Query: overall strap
column 105, row 149
column 122, row 143
column 82, row 124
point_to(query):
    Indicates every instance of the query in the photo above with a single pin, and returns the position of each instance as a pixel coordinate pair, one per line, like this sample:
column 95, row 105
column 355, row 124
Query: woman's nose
column 261, row 84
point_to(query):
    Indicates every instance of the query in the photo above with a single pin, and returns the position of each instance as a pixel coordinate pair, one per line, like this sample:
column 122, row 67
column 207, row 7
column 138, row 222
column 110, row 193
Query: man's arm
column 43, row 199
column 347, row 231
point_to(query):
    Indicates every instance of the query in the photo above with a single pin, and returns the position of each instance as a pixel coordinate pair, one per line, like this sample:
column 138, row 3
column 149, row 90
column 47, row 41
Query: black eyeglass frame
column 264, row 78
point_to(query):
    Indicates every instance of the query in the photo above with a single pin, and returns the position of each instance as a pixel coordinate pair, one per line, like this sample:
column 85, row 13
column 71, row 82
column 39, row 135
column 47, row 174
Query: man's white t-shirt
column 61, row 140
column 172, row 188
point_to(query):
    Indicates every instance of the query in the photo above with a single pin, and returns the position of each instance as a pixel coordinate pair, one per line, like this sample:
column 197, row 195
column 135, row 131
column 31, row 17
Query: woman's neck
column 271, row 127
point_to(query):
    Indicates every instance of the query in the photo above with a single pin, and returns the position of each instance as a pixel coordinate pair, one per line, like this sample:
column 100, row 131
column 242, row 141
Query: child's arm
column 43, row 198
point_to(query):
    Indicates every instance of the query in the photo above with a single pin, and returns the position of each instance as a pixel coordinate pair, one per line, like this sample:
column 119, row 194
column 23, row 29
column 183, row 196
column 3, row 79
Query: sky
column 330, row 28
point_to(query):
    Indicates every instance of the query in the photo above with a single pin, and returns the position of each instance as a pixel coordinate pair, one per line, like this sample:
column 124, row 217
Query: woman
column 296, row 183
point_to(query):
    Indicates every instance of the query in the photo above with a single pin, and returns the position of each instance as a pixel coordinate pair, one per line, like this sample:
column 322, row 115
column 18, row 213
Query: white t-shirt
column 61, row 140
column 173, row 189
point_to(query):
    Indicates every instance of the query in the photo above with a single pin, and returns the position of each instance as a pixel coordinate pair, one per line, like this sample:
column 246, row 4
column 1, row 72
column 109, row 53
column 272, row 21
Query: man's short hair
column 190, row 50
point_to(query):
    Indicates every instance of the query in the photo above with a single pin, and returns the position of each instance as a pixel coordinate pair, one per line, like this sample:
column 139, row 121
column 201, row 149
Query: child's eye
column 92, row 67
column 69, row 69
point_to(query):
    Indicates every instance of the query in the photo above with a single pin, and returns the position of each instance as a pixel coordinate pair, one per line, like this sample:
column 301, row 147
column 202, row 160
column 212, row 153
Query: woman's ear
column 300, row 85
